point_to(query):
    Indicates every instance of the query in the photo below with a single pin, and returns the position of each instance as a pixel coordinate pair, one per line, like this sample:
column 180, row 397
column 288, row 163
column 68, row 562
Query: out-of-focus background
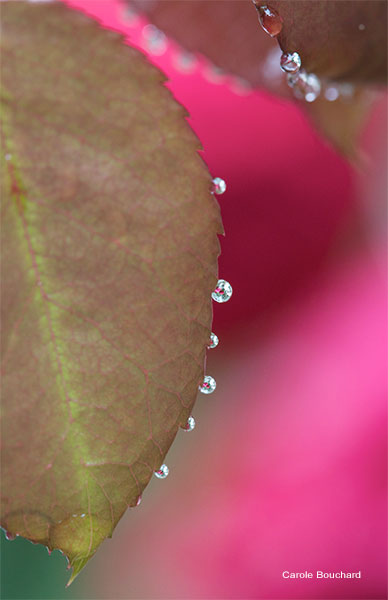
column 286, row 469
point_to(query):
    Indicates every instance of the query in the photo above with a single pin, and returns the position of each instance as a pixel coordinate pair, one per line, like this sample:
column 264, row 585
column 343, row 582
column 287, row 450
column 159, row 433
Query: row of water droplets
column 157, row 44
column 305, row 85
column 222, row 293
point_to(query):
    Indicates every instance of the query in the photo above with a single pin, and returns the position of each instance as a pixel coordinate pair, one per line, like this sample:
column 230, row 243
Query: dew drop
column 331, row 93
column 219, row 186
column 313, row 88
column 213, row 341
column 10, row 536
column 162, row 472
column 223, row 291
column 185, row 62
column 190, row 424
column 290, row 62
column 130, row 16
column 304, row 85
column 346, row 90
column 138, row 501
column 208, row 385
column 361, row 27
column 156, row 41
column 214, row 74
column 269, row 18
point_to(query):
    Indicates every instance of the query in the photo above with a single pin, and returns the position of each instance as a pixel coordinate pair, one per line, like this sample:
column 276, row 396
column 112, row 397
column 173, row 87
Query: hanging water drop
column 213, row 341
column 138, row 501
column 223, row 291
column 269, row 18
column 10, row 536
column 190, row 424
column 162, row 472
column 305, row 85
column 208, row 385
column 219, row 186
column 290, row 62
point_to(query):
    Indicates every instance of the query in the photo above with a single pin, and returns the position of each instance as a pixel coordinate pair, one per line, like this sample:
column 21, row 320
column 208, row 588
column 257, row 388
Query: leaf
column 109, row 258
column 343, row 41
column 325, row 33
column 226, row 32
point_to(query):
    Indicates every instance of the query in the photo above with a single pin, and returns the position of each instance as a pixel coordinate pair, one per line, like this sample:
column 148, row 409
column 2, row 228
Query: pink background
column 286, row 467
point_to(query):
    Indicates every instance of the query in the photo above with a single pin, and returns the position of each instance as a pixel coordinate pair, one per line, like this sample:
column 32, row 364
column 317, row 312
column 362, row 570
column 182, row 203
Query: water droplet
column 83, row 515
column 185, row 62
column 130, row 16
column 346, row 90
column 214, row 74
column 48, row 550
column 270, row 20
column 223, row 291
column 331, row 93
column 304, row 85
column 361, row 27
column 10, row 536
column 138, row 501
column 8, row 156
column 162, row 472
column 290, row 63
column 208, row 385
column 219, row 186
column 156, row 41
column 190, row 424
column 213, row 341
column 240, row 86
column 313, row 88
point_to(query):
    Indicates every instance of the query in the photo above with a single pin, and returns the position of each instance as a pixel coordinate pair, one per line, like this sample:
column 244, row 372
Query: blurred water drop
column 208, row 385
column 8, row 156
column 223, row 291
column 313, row 88
column 219, row 186
column 190, row 424
column 361, row 27
column 213, row 340
column 214, row 74
column 290, row 63
column 162, row 472
column 269, row 18
column 10, row 536
column 184, row 62
column 240, row 86
column 304, row 85
column 138, row 501
column 346, row 90
column 130, row 16
column 156, row 41
column 331, row 93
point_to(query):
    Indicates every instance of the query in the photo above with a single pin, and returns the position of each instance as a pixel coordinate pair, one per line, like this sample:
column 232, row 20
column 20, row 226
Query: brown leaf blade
column 343, row 41
column 109, row 240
